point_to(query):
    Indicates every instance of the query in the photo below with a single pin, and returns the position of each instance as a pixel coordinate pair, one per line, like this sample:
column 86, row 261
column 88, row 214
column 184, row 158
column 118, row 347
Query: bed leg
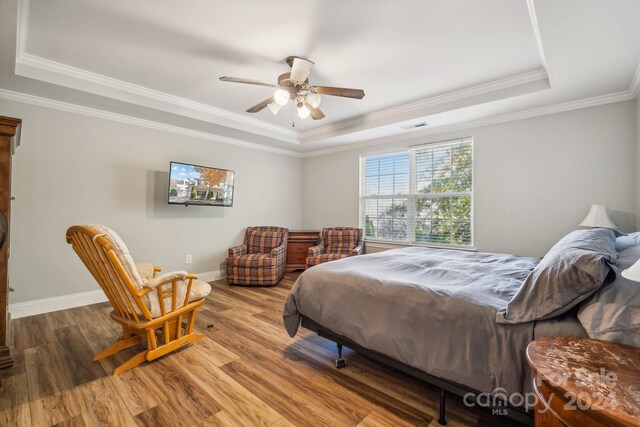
column 442, row 421
column 340, row 362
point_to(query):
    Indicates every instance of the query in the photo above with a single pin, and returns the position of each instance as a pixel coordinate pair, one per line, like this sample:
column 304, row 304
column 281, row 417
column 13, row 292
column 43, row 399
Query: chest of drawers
column 298, row 244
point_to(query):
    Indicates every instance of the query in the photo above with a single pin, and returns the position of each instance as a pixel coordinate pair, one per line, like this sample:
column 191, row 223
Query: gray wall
column 535, row 179
column 74, row 169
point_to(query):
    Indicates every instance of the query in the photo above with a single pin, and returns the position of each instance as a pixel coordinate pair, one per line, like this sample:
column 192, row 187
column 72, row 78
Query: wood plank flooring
column 247, row 372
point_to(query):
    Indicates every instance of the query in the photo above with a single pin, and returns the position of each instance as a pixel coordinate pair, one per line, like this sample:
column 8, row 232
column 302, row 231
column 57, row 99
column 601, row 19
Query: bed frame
column 503, row 408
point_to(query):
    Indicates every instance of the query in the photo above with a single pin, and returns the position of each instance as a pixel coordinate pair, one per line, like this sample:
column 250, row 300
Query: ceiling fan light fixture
column 274, row 107
column 314, row 99
column 281, row 96
column 295, row 86
column 303, row 112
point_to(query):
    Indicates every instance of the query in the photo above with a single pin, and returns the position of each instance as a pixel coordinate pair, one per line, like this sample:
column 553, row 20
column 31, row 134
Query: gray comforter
column 434, row 310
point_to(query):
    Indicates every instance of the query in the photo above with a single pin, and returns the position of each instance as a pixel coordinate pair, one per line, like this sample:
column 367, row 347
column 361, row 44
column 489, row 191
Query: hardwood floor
column 246, row 372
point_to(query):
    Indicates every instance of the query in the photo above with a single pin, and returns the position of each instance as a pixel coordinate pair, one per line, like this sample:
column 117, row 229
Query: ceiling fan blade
column 300, row 70
column 338, row 91
column 260, row 106
column 315, row 113
column 246, row 81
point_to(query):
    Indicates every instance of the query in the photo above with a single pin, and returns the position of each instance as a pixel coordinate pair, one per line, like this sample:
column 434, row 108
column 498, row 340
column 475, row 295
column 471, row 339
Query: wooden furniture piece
column 299, row 244
column 160, row 311
column 585, row 382
column 9, row 140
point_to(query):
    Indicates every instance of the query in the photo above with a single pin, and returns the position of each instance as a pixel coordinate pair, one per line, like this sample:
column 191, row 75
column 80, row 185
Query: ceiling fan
column 295, row 86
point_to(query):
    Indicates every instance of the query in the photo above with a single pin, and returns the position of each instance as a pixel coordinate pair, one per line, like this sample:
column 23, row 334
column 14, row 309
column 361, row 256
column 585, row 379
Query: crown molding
column 634, row 86
column 536, row 31
column 101, row 114
column 64, row 75
column 32, row 66
column 417, row 106
column 22, row 26
column 503, row 118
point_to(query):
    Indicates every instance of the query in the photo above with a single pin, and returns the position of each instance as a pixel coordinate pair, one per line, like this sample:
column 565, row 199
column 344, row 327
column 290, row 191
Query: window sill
column 385, row 244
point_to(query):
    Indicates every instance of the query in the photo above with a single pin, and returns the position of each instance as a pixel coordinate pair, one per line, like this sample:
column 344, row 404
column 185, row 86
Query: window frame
column 413, row 195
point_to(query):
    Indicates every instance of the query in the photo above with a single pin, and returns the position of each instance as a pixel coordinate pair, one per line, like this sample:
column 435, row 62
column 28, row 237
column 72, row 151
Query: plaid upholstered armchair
column 261, row 259
column 336, row 243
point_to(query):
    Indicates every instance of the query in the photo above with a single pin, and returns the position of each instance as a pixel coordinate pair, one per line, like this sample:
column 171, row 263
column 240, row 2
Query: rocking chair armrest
column 168, row 278
column 177, row 281
column 356, row 251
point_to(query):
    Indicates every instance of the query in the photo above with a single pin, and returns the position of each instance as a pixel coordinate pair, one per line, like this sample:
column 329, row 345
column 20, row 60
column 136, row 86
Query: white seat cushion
column 199, row 290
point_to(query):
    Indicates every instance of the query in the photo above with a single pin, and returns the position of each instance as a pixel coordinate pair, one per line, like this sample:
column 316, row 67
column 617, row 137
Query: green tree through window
column 422, row 196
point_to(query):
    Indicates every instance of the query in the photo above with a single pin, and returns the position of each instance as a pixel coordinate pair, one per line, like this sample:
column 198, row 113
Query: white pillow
column 625, row 242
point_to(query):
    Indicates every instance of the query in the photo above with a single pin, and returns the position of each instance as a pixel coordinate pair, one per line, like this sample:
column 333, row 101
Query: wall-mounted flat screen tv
column 200, row 185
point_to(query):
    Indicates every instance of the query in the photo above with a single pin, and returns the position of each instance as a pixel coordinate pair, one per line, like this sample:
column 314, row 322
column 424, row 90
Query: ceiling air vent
column 415, row 126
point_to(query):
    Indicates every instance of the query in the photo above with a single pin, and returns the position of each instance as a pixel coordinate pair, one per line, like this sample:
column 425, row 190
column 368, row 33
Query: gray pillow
column 573, row 269
column 613, row 312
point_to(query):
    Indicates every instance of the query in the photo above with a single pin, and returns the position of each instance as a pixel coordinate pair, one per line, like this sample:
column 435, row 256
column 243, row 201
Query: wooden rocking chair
column 158, row 310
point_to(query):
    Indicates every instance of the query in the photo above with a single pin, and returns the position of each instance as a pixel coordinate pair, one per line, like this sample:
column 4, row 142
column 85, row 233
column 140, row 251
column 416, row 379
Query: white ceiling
column 417, row 60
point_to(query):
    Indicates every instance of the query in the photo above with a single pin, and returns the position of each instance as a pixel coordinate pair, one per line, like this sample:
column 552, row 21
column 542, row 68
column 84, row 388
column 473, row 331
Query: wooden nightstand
column 585, row 382
column 298, row 244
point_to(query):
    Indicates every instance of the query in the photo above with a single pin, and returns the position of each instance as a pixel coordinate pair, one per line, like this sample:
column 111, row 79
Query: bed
column 436, row 314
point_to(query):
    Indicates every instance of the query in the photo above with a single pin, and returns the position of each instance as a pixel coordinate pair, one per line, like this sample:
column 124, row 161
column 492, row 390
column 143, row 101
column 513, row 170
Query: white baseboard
column 47, row 305
column 210, row 276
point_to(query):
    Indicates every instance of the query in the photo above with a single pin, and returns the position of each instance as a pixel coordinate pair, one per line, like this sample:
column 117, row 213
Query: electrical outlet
column 188, row 259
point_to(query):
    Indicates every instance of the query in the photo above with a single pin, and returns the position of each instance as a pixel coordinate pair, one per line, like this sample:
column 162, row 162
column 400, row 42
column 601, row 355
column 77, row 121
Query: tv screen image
column 200, row 185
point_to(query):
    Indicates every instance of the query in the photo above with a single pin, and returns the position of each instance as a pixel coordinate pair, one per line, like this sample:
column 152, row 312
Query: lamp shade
column 274, row 107
column 633, row 272
column 598, row 218
column 314, row 99
column 303, row 112
column 281, row 96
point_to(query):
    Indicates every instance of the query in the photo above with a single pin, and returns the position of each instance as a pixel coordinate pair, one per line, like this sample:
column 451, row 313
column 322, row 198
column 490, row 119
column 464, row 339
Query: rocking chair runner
column 158, row 310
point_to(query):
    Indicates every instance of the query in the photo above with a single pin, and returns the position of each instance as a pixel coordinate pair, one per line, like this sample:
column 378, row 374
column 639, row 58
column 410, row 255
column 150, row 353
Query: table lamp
column 598, row 218
column 633, row 272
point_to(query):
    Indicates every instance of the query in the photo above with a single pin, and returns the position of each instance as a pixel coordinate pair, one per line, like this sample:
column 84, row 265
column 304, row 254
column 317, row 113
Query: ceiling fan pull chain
column 293, row 120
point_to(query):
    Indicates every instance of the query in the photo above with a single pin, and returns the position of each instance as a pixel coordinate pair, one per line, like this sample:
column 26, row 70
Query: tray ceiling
column 449, row 61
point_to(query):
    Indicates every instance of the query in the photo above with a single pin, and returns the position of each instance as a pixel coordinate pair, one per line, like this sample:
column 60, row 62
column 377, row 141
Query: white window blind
column 424, row 195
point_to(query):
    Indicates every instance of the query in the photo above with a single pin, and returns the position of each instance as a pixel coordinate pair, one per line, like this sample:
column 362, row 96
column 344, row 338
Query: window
column 424, row 195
